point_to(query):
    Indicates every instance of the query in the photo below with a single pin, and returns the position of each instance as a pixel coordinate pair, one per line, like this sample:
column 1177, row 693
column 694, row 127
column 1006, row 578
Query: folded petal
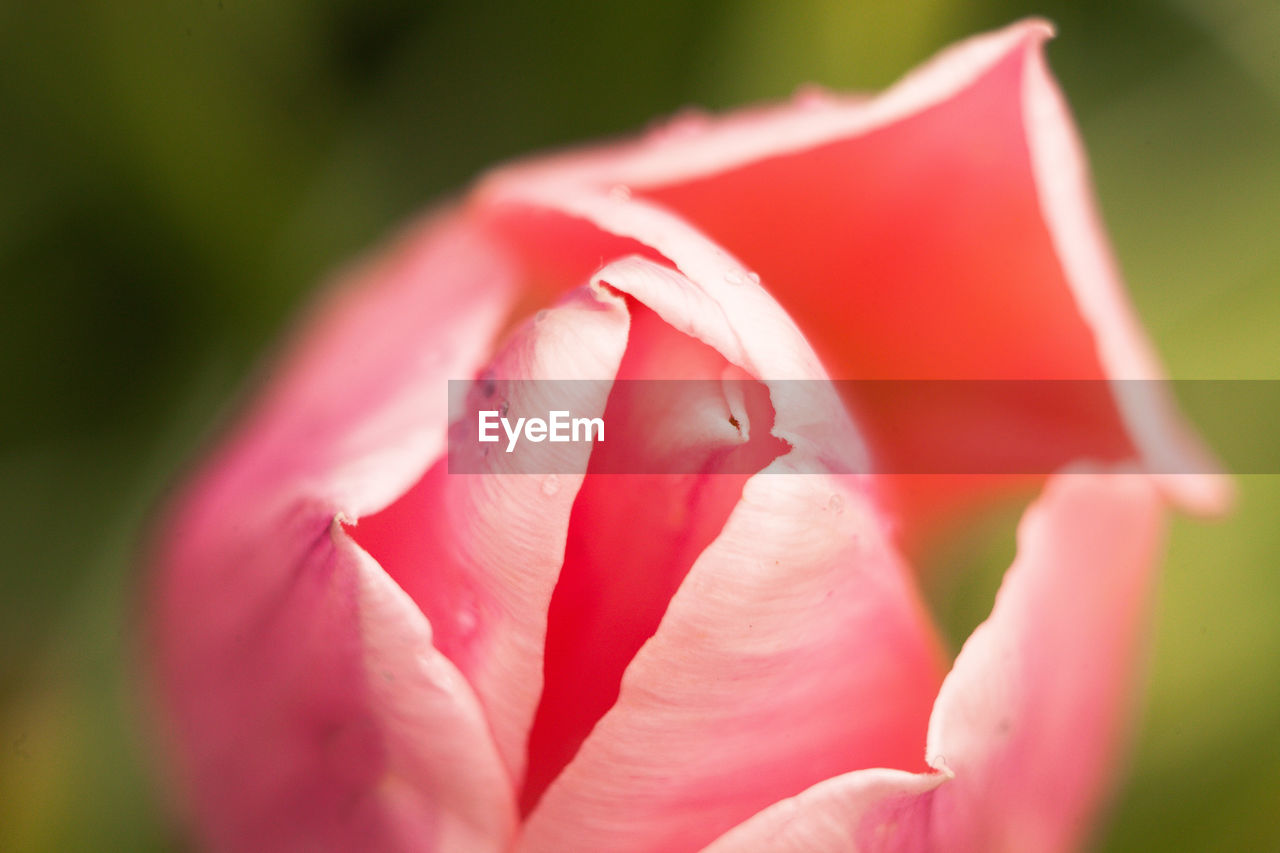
column 830, row 816
column 944, row 230
column 798, row 619
column 350, row 424
column 633, row 537
column 480, row 553
column 1034, row 712
column 309, row 709
column 1029, row 721
column 797, row 622
column 249, row 601
column 709, row 296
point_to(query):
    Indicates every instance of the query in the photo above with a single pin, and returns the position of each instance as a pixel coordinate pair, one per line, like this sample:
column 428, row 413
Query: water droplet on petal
column 550, row 485
column 541, row 316
column 467, row 620
column 620, row 192
column 835, row 503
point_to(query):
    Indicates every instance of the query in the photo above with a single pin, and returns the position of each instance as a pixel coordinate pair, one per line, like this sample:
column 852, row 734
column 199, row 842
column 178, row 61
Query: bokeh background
column 175, row 177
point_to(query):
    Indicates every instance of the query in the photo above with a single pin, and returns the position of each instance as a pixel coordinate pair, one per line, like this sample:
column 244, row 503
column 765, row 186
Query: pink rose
column 357, row 650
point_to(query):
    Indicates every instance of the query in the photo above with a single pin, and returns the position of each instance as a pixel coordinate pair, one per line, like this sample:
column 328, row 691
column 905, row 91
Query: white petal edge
column 1070, row 213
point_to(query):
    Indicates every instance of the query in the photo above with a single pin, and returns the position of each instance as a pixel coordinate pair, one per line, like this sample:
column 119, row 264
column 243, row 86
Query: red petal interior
column 632, row 539
column 917, row 251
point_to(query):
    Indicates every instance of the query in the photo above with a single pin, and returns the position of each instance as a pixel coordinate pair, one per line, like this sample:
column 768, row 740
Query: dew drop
column 620, row 192
column 835, row 504
column 541, row 316
column 466, row 621
column 550, row 485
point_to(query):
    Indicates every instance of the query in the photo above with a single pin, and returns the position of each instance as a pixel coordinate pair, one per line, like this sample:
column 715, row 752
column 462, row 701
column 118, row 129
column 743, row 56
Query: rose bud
column 355, row 647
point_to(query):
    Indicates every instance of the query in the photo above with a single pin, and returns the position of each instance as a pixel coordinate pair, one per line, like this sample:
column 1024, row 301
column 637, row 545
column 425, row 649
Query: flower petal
column 633, row 538
column 710, row 297
column 1034, row 712
column 480, row 553
column 943, row 230
column 349, row 425
column 309, row 709
column 799, row 619
column 828, row 818
column 1028, row 722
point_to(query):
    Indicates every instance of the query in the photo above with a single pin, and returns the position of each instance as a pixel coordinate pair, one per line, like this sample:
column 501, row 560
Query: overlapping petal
column 686, row 439
column 356, row 413
column 798, row 619
column 312, row 710
column 480, row 553
column 1027, row 724
column 943, row 230
column 260, row 643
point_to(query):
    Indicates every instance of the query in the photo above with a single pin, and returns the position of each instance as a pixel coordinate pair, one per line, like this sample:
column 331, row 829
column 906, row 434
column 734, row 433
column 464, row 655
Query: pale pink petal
column 1028, row 724
column 443, row 771
column 1034, row 713
column 359, row 410
column 480, row 553
column 830, row 816
column 309, row 711
column 798, row 620
column 794, row 651
column 255, row 641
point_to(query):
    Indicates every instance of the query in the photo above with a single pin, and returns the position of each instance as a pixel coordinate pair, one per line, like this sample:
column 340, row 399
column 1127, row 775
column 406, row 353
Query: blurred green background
column 176, row 176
